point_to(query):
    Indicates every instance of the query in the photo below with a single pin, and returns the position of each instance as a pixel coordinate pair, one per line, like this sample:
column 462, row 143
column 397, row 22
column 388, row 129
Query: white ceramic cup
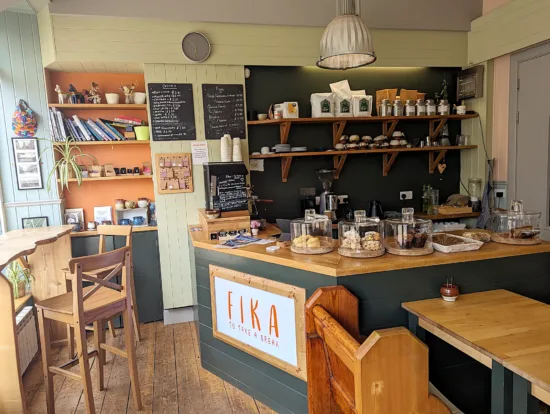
column 112, row 98
column 461, row 110
column 139, row 97
column 265, row 150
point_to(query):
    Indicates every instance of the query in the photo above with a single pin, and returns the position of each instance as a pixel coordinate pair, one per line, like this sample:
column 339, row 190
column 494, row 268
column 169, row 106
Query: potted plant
column 20, row 278
column 255, row 226
column 66, row 165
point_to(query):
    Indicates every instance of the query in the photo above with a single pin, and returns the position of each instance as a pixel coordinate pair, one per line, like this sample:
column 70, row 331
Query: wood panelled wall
column 513, row 26
column 22, row 77
column 176, row 212
column 69, row 39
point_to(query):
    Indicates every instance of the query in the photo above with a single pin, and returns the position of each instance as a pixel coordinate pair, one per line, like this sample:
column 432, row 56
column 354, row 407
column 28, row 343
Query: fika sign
column 262, row 317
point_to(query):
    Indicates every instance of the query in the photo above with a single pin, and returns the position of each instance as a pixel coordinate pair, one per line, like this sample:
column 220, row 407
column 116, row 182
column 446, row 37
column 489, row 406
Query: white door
column 532, row 139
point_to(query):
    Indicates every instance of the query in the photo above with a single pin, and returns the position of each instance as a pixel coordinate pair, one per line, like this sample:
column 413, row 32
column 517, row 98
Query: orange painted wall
column 104, row 193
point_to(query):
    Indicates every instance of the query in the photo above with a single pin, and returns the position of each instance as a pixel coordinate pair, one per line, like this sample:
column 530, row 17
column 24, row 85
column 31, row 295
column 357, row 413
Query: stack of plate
column 282, row 148
column 299, row 149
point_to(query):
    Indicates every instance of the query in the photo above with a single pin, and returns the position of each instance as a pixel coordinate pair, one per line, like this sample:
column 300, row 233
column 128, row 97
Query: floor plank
column 171, row 379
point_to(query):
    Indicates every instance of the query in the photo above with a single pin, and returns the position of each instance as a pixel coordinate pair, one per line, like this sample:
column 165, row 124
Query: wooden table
column 504, row 331
column 48, row 250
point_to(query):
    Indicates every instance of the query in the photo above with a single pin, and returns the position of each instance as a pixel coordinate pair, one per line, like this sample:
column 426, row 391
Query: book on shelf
column 94, row 130
column 101, row 124
column 83, row 129
column 128, row 120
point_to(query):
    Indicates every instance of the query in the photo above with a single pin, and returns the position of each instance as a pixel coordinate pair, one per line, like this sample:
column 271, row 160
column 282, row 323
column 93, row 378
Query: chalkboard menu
column 232, row 195
column 223, row 111
column 172, row 111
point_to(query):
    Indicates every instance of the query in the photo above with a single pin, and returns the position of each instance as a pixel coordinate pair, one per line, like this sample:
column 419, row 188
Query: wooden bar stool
column 93, row 304
column 103, row 231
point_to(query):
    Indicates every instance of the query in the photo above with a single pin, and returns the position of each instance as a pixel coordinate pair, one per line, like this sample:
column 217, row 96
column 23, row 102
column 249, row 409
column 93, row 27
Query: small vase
column 21, row 290
column 255, row 232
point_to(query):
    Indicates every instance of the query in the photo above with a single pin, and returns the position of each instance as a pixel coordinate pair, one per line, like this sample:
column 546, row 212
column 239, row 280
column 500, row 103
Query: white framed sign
column 261, row 317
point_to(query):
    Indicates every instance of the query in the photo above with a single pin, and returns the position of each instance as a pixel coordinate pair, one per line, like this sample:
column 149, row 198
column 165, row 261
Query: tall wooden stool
column 93, row 304
column 103, row 231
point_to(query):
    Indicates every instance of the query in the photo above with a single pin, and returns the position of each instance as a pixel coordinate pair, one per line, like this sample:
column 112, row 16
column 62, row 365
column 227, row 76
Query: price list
column 172, row 111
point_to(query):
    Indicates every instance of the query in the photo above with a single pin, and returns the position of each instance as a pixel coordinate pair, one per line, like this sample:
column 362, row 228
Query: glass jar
column 385, row 108
column 516, row 226
column 443, row 108
column 360, row 238
column 420, row 107
column 312, row 234
column 398, row 108
column 408, row 236
column 474, row 190
column 431, row 108
column 433, row 200
column 410, row 108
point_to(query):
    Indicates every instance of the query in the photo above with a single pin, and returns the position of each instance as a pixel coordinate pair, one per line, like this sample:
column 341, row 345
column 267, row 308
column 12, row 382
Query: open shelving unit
column 389, row 124
column 95, row 143
column 118, row 177
column 134, row 107
column 435, row 217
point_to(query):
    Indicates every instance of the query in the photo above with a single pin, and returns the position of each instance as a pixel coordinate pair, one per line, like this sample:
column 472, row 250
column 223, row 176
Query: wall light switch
column 406, row 195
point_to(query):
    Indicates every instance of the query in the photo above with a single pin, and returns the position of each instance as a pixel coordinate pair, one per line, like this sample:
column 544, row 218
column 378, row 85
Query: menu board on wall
column 223, row 110
column 172, row 111
column 232, row 194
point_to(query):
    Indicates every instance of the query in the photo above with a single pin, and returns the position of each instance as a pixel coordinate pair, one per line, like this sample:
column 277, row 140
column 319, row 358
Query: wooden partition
column 388, row 373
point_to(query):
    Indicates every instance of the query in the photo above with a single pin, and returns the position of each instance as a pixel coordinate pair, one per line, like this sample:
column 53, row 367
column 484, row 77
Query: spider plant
column 68, row 155
column 19, row 277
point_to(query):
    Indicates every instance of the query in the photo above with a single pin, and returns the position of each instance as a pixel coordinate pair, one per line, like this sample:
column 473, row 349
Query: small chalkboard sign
column 232, row 194
column 223, row 110
column 172, row 111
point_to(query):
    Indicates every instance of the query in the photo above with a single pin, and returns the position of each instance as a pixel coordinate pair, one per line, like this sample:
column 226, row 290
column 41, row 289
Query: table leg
column 501, row 389
column 419, row 332
column 524, row 402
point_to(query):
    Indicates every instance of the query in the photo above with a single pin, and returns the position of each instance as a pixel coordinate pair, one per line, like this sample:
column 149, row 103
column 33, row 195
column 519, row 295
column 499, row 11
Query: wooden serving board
column 496, row 237
column 365, row 254
column 393, row 248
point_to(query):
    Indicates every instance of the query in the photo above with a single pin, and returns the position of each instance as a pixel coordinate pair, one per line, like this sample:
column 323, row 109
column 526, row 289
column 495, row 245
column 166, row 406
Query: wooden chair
column 94, row 304
column 388, row 373
column 103, row 231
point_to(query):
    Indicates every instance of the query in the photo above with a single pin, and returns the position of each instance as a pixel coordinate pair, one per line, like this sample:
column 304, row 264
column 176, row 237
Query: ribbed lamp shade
column 346, row 42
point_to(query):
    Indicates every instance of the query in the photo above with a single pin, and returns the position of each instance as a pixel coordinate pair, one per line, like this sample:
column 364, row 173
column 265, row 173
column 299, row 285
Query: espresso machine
column 328, row 204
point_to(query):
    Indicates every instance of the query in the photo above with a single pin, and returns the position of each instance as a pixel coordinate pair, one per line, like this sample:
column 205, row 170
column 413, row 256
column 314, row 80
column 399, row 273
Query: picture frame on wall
column 73, row 216
column 27, row 163
column 34, row 222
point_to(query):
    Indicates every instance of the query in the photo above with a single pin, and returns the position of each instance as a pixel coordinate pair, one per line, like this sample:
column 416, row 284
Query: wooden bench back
column 388, row 373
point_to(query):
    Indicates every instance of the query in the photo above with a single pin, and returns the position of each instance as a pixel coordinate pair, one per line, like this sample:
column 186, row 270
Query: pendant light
column 346, row 42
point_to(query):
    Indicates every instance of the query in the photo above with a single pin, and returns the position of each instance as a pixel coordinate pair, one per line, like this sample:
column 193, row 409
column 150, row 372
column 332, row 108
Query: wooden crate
column 222, row 229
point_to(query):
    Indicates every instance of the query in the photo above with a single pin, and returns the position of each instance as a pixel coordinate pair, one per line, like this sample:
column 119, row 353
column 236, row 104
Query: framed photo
column 73, row 215
column 103, row 214
column 34, row 222
column 27, row 163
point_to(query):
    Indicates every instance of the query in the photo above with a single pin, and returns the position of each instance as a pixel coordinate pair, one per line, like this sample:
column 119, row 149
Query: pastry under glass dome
column 516, row 226
column 312, row 234
column 408, row 236
column 360, row 238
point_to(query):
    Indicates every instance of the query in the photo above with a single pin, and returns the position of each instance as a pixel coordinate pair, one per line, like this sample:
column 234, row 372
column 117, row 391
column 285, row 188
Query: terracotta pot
column 22, row 287
column 449, row 292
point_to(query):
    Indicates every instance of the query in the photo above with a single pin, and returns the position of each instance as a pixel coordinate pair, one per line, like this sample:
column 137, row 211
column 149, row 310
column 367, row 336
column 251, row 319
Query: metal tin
column 398, row 108
column 431, row 108
column 420, row 107
column 410, row 108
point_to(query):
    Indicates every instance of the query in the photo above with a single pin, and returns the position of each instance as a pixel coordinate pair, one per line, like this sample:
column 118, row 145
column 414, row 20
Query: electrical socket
column 500, row 193
column 406, row 195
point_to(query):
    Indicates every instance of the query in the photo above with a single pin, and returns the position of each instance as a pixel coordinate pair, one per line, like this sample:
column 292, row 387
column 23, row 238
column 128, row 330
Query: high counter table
column 48, row 250
column 382, row 284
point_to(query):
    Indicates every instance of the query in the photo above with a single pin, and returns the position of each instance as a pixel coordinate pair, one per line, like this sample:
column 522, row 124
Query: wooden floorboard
column 171, row 379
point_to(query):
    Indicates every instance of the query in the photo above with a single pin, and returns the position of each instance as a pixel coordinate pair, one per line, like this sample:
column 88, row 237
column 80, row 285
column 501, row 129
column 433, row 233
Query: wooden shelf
column 118, row 177
column 361, row 119
column 389, row 155
column 136, row 107
column 446, row 216
column 88, row 233
column 92, row 143
column 21, row 302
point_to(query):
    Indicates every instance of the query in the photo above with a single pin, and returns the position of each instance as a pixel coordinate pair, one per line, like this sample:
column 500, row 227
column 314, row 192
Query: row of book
column 63, row 128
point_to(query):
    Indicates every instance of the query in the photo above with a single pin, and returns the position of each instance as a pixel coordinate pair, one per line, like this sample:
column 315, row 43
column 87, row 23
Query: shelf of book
column 93, row 143
column 118, row 107
column 118, row 177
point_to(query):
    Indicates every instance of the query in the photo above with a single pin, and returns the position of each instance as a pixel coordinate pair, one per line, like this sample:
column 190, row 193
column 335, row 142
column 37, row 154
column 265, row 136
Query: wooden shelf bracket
column 285, row 168
column 388, row 127
column 285, row 131
column 434, row 161
column 435, row 131
column 388, row 162
column 337, row 131
column 339, row 161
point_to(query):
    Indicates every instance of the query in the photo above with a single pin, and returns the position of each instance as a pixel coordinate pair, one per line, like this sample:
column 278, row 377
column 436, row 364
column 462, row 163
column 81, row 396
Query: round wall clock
column 196, row 47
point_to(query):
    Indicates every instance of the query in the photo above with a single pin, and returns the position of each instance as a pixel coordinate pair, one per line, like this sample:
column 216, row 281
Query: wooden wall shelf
column 137, row 107
column 446, row 216
column 19, row 303
column 94, row 143
column 118, row 177
column 436, row 154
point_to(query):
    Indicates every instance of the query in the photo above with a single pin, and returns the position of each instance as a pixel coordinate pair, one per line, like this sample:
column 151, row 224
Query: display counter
column 381, row 284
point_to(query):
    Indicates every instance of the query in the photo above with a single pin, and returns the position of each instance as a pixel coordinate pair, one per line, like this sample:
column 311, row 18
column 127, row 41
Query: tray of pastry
column 450, row 243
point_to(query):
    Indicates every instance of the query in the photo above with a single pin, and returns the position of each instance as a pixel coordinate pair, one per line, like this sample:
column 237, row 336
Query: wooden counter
column 332, row 264
column 88, row 233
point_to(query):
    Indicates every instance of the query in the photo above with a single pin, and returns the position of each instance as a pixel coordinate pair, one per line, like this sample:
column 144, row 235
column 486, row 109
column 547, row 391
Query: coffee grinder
column 328, row 204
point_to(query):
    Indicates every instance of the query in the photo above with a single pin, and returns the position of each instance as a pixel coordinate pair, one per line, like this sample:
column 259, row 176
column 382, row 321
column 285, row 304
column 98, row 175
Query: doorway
column 529, row 145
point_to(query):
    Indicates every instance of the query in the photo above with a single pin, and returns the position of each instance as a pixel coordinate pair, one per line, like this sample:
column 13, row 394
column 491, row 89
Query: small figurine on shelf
column 60, row 95
column 85, row 93
column 73, row 94
column 94, row 96
column 128, row 92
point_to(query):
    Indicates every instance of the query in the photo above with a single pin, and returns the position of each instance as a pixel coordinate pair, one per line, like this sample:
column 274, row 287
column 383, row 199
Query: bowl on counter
column 262, row 117
column 212, row 214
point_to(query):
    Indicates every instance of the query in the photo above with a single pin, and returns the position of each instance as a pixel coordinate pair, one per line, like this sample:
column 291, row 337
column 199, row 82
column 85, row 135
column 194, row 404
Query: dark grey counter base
column 465, row 382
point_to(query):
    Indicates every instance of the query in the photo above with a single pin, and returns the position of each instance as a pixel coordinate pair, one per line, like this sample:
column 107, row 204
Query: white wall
column 22, row 77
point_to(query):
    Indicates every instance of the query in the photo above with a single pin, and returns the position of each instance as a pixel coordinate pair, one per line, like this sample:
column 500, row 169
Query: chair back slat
column 98, row 261
column 113, row 230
